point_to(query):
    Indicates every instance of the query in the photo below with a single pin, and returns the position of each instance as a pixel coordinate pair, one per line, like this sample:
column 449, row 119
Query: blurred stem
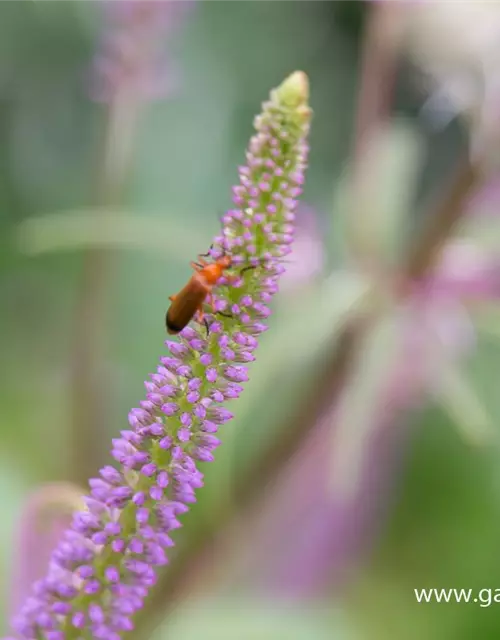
column 184, row 570
column 377, row 80
column 441, row 220
column 378, row 73
column 90, row 385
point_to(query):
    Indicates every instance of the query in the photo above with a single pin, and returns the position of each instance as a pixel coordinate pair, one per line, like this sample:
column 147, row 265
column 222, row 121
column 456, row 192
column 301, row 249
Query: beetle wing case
column 185, row 305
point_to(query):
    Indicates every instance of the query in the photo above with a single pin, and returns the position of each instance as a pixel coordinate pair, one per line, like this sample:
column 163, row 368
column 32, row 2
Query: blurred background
column 361, row 464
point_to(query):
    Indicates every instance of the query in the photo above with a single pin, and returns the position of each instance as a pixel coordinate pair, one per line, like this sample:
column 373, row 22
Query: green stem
column 90, row 390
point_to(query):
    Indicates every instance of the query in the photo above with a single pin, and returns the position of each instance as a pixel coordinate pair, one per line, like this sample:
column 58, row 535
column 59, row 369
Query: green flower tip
column 294, row 91
column 293, row 96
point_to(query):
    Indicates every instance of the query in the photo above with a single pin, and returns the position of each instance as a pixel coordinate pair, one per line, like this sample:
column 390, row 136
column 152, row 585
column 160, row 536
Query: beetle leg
column 212, row 304
column 196, row 266
column 200, row 317
column 205, row 255
column 250, row 266
column 203, row 262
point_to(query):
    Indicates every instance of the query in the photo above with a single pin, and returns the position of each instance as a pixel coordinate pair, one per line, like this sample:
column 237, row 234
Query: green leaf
column 486, row 318
column 458, row 397
column 228, row 618
column 457, row 391
column 361, row 404
column 377, row 195
column 70, row 230
column 484, row 233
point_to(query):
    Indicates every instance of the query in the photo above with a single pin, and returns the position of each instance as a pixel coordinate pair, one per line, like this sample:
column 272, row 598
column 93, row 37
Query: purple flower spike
column 131, row 59
column 105, row 564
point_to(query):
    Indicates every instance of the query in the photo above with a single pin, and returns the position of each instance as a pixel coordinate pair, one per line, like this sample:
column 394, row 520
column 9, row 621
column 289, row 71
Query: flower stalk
column 106, row 563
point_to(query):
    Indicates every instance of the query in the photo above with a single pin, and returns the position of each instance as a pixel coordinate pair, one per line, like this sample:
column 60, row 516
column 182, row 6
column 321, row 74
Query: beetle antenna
column 264, row 261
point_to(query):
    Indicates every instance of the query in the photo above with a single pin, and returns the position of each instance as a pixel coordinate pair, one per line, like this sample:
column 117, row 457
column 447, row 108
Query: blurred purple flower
column 311, row 539
column 45, row 515
column 132, row 57
column 105, row 565
column 307, row 259
column 467, row 272
column 485, row 203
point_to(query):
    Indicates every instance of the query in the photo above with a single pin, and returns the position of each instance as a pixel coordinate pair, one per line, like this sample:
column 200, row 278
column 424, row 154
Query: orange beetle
column 188, row 303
